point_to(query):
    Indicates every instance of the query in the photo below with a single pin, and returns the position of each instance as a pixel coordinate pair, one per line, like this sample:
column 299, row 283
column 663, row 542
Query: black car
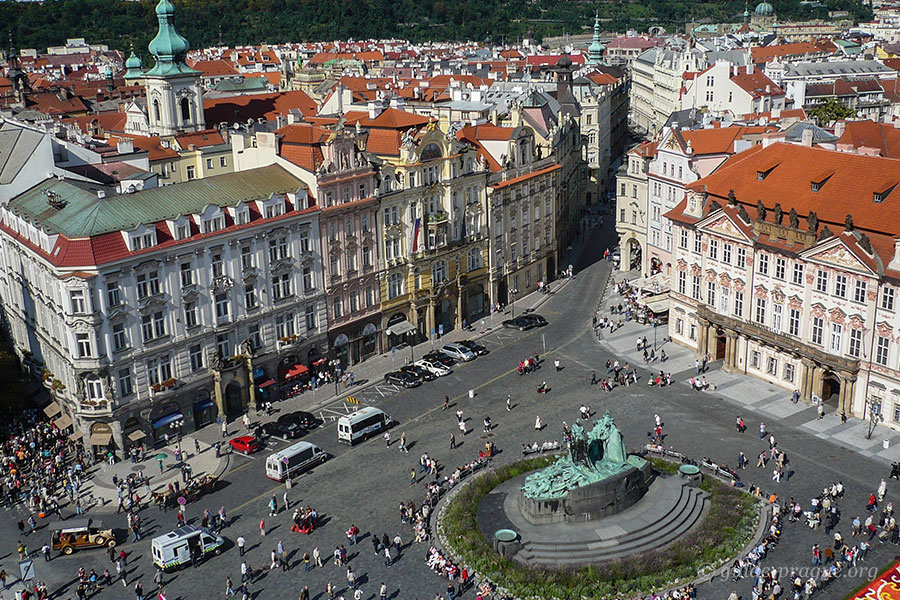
column 536, row 319
column 440, row 357
column 282, row 429
column 417, row 370
column 301, row 418
column 404, row 378
column 520, row 323
column 476, row 348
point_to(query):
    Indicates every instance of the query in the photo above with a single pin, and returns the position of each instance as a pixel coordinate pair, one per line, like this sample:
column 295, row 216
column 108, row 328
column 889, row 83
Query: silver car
column 434, row 367
column 458, row 352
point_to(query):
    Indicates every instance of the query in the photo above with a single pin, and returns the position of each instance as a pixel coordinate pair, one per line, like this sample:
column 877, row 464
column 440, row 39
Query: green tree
column 830, row 111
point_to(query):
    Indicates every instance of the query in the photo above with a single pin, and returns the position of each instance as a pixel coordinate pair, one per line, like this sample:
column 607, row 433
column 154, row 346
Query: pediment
column 724, row 226
column 839, row 255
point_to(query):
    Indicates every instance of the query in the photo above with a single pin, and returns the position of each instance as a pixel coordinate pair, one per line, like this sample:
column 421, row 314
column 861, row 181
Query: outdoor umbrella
column 162, row 456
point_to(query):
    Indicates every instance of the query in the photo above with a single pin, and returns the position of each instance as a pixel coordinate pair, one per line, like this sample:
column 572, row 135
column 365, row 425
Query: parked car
column 476, row 348
column 536, row 319
column 404, row 378
column 292, row 425
column 520, row 323
column 422, row 372
column 434, row 366
column 247, row 444
column 458, row 352
column 74, row 534
column 437, row 355
column 302, row 418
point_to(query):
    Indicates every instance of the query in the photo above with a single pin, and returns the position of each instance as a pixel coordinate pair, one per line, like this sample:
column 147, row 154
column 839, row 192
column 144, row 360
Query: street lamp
column 873, row 405
column 176, row 426
column 512, row 304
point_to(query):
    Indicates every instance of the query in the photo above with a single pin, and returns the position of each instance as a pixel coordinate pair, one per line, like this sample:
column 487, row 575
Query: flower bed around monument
column 728, row 526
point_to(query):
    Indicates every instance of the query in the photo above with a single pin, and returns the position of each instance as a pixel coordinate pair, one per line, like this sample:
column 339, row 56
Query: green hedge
column 728, row 526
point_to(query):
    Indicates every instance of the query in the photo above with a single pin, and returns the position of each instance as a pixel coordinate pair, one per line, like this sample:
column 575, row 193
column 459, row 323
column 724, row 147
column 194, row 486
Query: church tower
column 595, row 50
column 174, row 95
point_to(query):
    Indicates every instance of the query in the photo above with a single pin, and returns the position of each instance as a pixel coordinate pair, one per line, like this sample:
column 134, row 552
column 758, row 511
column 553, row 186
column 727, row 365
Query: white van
column 174, row 549
column 362, row 424
column 294, row 460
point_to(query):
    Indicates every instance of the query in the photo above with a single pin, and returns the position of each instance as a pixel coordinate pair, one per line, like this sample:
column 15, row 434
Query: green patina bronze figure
column 593, row 456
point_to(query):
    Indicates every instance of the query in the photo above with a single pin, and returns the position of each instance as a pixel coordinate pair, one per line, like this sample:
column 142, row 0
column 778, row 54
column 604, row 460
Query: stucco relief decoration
column 778, row 296
column 705, row 247
column 856, row 322
column 837, row 316
column 724, row 280
column 818, row 311
column 872, row 295
column 795, row 303
column 696, row 270
column 761, row 292
column 738, row 285
column 682, row 266
column 839, row 255
column 884, row 330
column 711, row 275
column 809, row 278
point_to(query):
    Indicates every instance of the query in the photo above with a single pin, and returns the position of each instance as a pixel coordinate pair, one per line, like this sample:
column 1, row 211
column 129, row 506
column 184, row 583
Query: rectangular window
column 304, row 240
column 222, row 161
column 739, row 304
column 887, row 298
column 726, row 253
column 797, row 276
column 859, row 291
column 698, row 243
column 190, row 172
column 146, row 327
column 364, row 222
column 683, row 243
column 284, row 325
column 223, row 345
column 218, row 265
column 307, row 279
column 187, row 274
column 855, row 345
column 159, row 324
column 196, row 355
column 835, row 341
column 714, row 249
column 822, row 281
column 120, row 339
column 113, row 297
column 695, row 287
column 776, row 317
column 780, row 267
column 83, row 343
column 762, row 263
column 183, row 231
column 222, row 308
column 370, row 295
column 77, row 298
column 310, row 317
column 754, row 359
column 142, row 289
column 741, row 260
column 190, row 314
column 794, row 323
column 816, row 334
column 338, row 308
column 760, row 316
column 724, row 294
column 354, row 302
column 209, row 163
column 125, row 383
column 840, row 286
column 281, row 286
column 682, row 283
column 278, row 248
column 250, row 301
column 711, row 293
column 254, row 336
column 788, row 372
column 367, row 256
column 882, row 349
column 246, row 258
column 771, row 366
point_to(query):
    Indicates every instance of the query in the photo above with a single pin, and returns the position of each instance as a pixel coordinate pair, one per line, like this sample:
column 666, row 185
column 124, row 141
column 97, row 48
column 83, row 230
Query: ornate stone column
column 806, row 380
column 218, row 392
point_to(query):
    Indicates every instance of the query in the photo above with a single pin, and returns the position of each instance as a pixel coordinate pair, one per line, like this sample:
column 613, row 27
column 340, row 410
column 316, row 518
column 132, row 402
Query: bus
column 294, row 460
column 362, row 424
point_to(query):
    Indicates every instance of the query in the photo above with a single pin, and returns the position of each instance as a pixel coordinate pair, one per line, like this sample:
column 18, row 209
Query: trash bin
column 885, row 444
column 471, row 393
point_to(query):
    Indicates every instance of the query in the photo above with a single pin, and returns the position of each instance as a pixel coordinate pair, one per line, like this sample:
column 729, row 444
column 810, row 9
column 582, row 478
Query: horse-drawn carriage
column 168, row 498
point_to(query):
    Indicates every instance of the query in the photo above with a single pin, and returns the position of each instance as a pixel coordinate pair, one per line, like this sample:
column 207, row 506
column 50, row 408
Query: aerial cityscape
column 490, row 300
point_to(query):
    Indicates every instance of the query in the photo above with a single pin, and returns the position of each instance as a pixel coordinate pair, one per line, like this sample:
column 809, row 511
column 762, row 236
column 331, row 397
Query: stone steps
column 686, row 512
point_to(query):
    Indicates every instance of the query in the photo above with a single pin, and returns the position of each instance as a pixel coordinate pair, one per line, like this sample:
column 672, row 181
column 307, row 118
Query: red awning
column 268, row 382
column 295, row 371
column 319, row 362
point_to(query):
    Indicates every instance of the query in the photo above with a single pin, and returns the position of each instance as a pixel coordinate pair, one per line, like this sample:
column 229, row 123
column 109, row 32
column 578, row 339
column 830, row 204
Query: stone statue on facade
column 760, row 210
column 813, row 221
column 779, row 214
column 794, row 219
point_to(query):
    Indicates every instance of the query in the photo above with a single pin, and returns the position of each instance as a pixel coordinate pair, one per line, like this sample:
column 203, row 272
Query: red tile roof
column 883, row 136
column 756, row 84
column 200, row 139
column 525, row 177
column 214, row 68
column 238, row 109
column 390, row 118
column 768, row 53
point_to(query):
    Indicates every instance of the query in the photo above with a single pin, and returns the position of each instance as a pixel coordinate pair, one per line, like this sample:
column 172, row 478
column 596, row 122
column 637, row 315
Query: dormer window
column 242, row 217
column 145, row 240
column 816, row 184
column 760, row 175
column 276, row 209
column 214, row 224
column 182, row 231
column 879, row 197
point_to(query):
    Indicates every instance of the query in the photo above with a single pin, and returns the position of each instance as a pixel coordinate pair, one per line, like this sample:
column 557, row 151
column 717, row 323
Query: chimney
column 806, row 138
column 125, row 147
column 839, row 128
column 374, row 109
column 750, row 67
column 101, row 194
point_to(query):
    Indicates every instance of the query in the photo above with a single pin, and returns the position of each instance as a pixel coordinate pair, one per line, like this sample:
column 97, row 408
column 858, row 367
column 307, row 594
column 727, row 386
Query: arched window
column 439, row 272
column 156, row 110
column 185, row 109
column 395, row 285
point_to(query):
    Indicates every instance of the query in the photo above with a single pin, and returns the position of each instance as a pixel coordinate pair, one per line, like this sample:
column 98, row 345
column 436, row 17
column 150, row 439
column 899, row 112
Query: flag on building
column 415, row 238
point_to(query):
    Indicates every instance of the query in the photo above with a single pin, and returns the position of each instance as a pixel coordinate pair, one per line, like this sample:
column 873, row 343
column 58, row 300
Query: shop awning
column 76, row 436
column 136, row 435
column 657, row 304
column 100, row 439
column 52, row 409
column 401, row 328
column 204, row 404
column 296, row 371
column 169, row 418
column 64, row 422
column 267, row 383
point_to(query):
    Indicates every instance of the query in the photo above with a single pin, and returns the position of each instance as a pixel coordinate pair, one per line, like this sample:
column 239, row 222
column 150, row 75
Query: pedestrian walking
column 287, row 503
column 382, row 591
column 403, row 443
column 412, row 476
column 262, row 527
column 452, row 441
column 387, row 556
column 459, row 416
column 508, row 403
column 240, row 544
column 138, row 591
column 462, row 427
column 317, row 557
column 224, row 428
column 594, row 376
column 762, row 430
column 446, row 402
column 306, row 561
column 557, row 365
column 387, row 439
column 158, row 578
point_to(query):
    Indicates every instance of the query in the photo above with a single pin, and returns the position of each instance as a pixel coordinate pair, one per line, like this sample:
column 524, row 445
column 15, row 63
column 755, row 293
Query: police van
column 294, row 460
column 362, row 424
column 175, row 549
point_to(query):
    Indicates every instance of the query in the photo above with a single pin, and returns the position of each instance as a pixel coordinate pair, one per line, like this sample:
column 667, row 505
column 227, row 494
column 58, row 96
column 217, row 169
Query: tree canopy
column 120, row 23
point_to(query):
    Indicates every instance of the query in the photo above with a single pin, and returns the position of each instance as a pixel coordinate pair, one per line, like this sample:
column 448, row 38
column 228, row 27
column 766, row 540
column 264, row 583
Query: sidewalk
column 99, row 483
column 743, row 391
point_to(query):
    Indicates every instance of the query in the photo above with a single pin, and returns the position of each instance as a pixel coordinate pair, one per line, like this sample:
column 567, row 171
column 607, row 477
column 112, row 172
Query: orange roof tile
column 526, row 176
column 233, row 109
column 883, row 136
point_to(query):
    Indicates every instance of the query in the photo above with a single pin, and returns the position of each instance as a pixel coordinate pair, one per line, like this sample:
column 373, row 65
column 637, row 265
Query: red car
column 247, row 444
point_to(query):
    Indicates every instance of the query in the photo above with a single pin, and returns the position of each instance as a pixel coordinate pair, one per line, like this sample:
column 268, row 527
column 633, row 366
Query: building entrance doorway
column 831, row 389
column 720, row 345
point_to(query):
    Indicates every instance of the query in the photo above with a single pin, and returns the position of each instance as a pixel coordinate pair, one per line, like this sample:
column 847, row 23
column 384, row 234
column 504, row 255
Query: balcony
column 438, row 217
column 95, row 408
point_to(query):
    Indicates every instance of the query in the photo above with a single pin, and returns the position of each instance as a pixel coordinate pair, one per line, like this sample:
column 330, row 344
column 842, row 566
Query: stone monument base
column 590, row 502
